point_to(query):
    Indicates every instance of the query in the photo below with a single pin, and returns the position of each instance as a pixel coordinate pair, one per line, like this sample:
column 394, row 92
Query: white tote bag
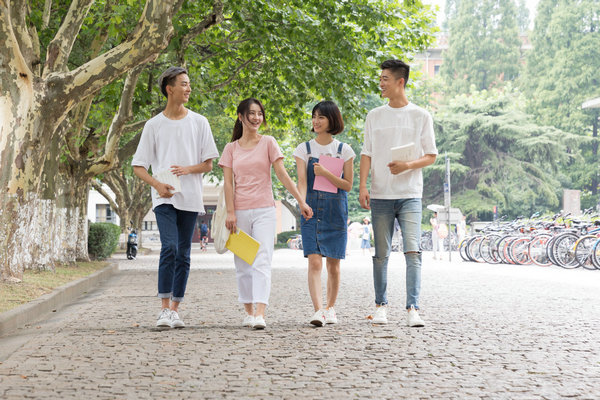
column 220, row 233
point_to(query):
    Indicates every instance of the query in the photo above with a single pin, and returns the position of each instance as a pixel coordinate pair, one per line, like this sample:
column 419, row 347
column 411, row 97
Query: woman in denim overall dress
column 325, row 234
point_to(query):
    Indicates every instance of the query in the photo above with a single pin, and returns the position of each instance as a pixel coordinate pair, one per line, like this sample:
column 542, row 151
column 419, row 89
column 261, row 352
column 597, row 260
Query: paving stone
column 492, row 331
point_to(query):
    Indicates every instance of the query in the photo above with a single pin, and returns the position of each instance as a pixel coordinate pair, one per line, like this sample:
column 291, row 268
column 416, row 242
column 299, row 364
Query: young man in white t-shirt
column 396, row 186
column 177, row 140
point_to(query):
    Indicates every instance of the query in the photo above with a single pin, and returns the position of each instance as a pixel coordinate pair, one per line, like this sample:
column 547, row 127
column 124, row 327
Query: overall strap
column 308, row 149
column 339, row 153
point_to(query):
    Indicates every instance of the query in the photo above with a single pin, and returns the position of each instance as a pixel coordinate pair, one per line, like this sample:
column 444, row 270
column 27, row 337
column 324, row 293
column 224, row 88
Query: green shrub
column 284, row 236
column 103, row 238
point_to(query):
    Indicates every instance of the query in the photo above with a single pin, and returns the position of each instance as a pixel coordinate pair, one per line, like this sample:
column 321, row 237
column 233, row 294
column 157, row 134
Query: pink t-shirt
column 252, row 172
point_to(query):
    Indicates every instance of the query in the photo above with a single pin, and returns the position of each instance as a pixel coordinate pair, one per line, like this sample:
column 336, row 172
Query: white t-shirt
column 317, row 150
column 187, row 141
column 387, row 127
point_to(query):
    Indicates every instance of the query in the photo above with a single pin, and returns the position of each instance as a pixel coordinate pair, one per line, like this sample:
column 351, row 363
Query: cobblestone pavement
column 492, row 331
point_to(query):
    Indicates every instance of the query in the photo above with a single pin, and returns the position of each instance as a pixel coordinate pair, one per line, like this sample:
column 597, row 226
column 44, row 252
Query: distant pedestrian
column 366, row 236
column 203, row 236
column 177, row 140
column 396, row 186
column 326, row 233
column 435, row 234
column 247, row 161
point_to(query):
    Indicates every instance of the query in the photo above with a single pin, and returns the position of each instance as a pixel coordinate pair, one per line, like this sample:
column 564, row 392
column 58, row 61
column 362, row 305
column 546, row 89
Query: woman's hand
column 306, row 211
column 230, row 222
column 318, row 169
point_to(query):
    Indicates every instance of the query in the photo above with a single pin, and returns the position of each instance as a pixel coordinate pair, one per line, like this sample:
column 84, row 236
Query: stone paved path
column 500, row 332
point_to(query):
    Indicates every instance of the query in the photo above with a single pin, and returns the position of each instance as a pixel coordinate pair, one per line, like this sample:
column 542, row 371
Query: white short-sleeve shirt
column 387, row 127
column 187, row 141
column 317, row 150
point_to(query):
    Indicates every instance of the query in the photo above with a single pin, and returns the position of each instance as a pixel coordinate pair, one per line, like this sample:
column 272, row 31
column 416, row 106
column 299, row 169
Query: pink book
column 335, row 166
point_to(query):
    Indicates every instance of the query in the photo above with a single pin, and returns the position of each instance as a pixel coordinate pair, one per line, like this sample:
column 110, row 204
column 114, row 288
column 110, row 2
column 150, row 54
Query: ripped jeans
column 408, row 212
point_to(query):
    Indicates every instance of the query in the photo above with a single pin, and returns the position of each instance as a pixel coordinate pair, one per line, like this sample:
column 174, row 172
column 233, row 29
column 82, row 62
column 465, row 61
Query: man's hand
column 398, row 166
column 179, row 170
column 164, row 190
column 364, row 198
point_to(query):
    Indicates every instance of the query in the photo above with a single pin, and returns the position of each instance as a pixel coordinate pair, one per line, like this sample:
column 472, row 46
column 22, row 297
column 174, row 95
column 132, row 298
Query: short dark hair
column 330, row 110
column 399, row 69
column 168, row 78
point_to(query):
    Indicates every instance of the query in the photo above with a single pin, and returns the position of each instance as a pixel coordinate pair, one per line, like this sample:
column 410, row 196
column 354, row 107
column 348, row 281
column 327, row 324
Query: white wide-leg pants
column 254, row 281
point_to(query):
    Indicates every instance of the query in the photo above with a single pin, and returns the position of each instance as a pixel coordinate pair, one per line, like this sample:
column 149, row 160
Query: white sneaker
column 176, row 322
column 259, row 322
column 164, row 318
column 248, row 321
column 380, row 316
column 318, row 319
column 330, row 317
column 414, row 319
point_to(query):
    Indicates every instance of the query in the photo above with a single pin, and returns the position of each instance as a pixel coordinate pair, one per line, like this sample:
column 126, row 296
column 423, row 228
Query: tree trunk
column 41, row 212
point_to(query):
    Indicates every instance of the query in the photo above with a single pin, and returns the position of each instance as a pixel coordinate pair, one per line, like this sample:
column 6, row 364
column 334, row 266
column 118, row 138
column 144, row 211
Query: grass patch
column 37, row 283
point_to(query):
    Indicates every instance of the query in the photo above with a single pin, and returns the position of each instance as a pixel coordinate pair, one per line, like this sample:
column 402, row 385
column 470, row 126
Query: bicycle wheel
column 537, row 249
column 462, row 249
column 502, row 243
column 583, row 251
column 488, row 249
column 596, row 254
column 563, row 250
column 473, row 249
column 517, row 250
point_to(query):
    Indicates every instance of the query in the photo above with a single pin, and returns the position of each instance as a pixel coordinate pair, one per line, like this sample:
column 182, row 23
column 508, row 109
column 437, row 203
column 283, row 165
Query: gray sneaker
column 164, row 318
column 176, row 322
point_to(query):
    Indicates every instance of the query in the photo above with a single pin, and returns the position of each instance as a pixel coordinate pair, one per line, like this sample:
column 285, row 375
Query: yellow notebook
column 243, row 245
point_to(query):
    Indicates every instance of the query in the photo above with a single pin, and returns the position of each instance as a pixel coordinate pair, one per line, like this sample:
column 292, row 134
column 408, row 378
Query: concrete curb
column 36, row 309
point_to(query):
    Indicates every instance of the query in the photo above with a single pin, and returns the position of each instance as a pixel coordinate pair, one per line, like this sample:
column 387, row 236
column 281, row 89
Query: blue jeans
column 176, row 228
column 408, row 213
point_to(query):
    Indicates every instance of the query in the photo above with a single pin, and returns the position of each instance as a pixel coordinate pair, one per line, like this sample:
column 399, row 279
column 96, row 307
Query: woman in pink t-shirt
column 247, row 160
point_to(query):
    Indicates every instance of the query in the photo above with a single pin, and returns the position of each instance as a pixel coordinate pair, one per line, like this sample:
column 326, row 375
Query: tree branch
column 124, row 114
column 152, row 34
column 27, row 39
column 129, row 149
column 12, row 62
column 60, row 47
column 214, row 18
column 233, row 75
column 134, row 126
column 46, row 15
column 97, row 185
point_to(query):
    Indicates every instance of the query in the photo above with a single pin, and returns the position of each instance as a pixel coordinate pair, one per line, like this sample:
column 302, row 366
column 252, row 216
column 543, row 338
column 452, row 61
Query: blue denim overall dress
column 326, row 232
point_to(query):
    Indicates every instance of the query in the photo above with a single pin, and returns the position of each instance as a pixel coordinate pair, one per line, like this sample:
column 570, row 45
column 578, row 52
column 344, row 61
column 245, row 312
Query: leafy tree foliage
column 499, row 156
column 563, row 71
column 484, row 45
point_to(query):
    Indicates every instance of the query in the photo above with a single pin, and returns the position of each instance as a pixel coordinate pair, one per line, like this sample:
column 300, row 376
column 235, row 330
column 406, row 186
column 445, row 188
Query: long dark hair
column 244, row 109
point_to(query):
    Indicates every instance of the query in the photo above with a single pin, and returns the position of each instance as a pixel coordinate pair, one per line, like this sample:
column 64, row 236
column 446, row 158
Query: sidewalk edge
column 59, row 297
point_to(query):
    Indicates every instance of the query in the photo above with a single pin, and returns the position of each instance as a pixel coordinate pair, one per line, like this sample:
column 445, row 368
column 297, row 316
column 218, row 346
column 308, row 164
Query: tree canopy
column 484, row 45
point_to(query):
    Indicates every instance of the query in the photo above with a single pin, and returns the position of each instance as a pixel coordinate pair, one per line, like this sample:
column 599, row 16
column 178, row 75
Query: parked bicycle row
column 544, row 241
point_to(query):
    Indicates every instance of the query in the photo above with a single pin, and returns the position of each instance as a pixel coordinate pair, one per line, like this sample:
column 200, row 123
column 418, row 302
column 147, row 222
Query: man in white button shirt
column 180, row 141
column 396, row 186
